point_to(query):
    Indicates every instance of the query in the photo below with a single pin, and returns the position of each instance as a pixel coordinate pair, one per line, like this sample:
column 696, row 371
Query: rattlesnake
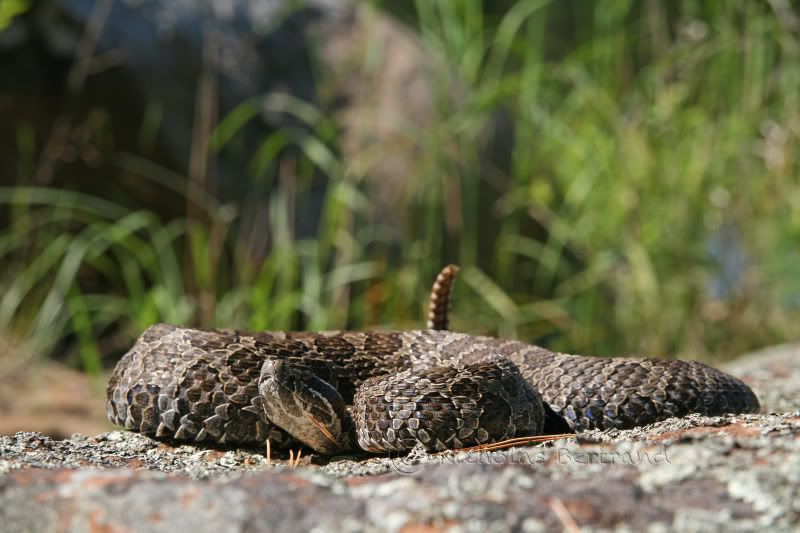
column 385, row 391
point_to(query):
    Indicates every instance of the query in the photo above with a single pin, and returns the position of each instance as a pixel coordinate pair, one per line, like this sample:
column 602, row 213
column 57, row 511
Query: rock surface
column 697, row 473
column 50, row 398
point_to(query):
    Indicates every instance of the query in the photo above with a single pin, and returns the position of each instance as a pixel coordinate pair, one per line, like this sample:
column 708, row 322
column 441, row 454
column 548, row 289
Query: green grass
column 9, row 9
column 641, row 137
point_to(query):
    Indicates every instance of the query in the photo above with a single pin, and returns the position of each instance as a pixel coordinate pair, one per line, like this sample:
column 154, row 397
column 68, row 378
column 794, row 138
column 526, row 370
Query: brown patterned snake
column 389, row 390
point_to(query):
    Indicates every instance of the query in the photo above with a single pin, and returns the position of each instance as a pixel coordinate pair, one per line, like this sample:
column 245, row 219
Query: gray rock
column 697, row 473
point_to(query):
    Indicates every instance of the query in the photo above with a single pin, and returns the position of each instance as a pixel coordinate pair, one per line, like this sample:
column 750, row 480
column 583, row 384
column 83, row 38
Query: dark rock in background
column 119, row 95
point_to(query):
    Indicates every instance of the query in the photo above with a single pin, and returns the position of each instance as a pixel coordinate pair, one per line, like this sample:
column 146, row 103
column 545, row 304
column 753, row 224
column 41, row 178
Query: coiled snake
column 387, row 391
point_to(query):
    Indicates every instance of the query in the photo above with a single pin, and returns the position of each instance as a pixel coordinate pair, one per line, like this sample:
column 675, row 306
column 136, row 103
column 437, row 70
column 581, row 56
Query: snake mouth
column 325, row 431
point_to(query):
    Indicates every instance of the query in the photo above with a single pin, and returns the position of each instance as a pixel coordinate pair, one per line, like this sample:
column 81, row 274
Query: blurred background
column 613, row 176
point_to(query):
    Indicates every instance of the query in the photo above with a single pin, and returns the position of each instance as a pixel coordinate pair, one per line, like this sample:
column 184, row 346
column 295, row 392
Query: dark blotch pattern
column 438, row 388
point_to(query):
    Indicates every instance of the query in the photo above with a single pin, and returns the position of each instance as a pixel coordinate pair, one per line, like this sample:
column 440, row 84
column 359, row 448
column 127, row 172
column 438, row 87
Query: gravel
column 690, row 474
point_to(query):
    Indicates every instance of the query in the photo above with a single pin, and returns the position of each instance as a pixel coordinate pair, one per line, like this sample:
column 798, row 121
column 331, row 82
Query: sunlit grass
column 651, row 158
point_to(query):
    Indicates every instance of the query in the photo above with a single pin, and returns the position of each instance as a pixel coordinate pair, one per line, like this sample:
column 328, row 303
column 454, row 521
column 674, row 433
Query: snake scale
column 384, row 391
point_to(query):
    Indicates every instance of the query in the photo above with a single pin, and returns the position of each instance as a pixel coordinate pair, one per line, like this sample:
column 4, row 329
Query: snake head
column 305, row 406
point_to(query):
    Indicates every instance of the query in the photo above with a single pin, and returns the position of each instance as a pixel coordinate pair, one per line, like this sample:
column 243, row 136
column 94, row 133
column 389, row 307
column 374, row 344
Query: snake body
column 387, row 391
